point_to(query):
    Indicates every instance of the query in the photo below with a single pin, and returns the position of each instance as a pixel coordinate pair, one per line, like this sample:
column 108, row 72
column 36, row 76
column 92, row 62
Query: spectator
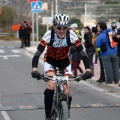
column 116, row 38
column 94, row 36
column 21, row 35
column 75, row 56
column 97, row 54
column 90, row 49
column 102, row 73
column 76, row 60
column 108, row 55
column 28, row 30
column 73, row 27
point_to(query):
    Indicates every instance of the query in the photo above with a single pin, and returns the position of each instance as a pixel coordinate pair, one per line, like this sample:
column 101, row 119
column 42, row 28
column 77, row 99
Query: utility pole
column 85, row 15
column 52, row 8
column 56, row 6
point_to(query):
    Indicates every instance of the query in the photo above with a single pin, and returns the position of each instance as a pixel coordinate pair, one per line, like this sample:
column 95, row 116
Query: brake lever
column 45, row 78
column 79, row 78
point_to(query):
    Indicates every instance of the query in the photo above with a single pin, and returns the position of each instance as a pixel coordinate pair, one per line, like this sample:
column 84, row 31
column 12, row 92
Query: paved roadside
column 109, row 87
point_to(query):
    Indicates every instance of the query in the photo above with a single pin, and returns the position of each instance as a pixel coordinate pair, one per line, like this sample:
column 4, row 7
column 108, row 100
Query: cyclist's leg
column 68, row 72
column 49, row 92
column 67, row 87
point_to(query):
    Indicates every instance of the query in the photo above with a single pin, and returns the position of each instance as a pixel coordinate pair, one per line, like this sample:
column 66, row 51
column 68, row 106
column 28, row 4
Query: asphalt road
column 18, row 88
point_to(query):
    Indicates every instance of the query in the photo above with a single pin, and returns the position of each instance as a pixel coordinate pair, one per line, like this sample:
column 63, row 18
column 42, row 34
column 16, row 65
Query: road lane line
column 114, row 95
column 2, row 51
column 16, row 51
column 100, row 89
column 4, row 114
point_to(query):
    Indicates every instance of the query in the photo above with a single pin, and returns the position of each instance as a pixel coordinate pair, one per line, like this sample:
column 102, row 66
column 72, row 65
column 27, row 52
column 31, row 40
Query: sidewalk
column 108, row 87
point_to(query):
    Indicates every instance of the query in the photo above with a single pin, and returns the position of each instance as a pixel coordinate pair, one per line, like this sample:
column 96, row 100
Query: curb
column 112, row 88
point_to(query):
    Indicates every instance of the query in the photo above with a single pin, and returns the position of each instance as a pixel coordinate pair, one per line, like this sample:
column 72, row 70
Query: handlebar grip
column 36, row 74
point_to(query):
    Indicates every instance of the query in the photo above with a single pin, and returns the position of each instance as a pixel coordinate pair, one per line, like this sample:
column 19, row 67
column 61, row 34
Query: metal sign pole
column 47, row 26
column 37, row 26
column 33, row 28
column 36, row 8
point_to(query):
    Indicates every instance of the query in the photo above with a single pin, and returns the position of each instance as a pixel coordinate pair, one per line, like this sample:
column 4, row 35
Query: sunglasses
column 61, row 28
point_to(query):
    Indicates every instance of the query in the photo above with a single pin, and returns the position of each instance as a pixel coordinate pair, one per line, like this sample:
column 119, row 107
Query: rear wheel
column 63, row 110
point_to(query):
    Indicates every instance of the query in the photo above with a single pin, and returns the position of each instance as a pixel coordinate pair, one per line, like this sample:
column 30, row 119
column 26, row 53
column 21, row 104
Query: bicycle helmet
column 61, row 20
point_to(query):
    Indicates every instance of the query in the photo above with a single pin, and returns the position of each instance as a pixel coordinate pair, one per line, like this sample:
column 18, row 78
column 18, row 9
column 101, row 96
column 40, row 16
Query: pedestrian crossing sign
column 36, row 6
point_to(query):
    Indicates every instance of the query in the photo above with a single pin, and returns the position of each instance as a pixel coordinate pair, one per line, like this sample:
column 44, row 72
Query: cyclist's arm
column 45, row 40
column 36, row 56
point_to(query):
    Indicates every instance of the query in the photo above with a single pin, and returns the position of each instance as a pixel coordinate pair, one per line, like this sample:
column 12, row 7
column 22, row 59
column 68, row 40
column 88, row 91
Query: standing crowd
column 24, row 34
column 103, row 43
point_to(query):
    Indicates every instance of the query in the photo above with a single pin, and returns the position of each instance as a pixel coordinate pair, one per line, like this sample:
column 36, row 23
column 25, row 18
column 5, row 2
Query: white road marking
column 100, row 89
column 4, row 114
column 7, row 56
column 92, row 86
column 16, row 51
column 1, row 46
column 10, row 47
column 2, row 51
column 114, row 95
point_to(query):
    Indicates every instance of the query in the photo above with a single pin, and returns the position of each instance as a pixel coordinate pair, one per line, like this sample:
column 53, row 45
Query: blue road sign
column 36, row 7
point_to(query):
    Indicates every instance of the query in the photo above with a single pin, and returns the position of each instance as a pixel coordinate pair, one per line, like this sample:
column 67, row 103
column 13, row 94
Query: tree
column 6, row 18
column 111, row 2
column 42, row 30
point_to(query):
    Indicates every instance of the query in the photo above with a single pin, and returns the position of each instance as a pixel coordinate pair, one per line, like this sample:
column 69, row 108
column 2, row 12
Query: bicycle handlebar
column 75, row 78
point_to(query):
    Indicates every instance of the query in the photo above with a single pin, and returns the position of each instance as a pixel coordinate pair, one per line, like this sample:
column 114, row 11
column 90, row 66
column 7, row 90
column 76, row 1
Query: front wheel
column 63, row 110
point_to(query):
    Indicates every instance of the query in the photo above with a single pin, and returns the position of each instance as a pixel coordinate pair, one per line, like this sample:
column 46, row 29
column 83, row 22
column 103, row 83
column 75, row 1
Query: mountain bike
column 60, row 106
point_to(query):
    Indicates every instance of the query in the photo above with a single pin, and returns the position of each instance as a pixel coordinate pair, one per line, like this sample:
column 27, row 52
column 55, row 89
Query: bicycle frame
column 60, row 107
column 59, row 95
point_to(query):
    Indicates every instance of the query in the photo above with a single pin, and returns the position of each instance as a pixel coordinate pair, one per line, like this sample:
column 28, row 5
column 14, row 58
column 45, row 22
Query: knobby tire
column 63, row 110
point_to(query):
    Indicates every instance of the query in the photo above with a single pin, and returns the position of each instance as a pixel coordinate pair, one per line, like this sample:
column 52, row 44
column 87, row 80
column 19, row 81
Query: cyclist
column 57, row 56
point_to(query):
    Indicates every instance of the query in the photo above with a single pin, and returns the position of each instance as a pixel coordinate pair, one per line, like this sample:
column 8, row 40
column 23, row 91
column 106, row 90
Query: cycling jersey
column 59, row 48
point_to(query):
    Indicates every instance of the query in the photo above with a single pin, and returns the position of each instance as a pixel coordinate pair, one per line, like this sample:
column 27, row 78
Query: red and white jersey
column 58, row 42
column 59, row 48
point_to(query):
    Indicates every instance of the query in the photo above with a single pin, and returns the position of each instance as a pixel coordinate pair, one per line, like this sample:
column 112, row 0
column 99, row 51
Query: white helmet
column 74, row 25
column 61, row 20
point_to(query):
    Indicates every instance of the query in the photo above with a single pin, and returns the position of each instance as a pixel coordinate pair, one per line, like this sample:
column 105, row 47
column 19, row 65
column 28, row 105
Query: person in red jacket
column 27, row 31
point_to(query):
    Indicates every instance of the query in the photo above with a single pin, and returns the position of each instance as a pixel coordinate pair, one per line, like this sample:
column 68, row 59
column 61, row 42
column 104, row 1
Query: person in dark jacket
column 90, row 49
column 76, row 58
